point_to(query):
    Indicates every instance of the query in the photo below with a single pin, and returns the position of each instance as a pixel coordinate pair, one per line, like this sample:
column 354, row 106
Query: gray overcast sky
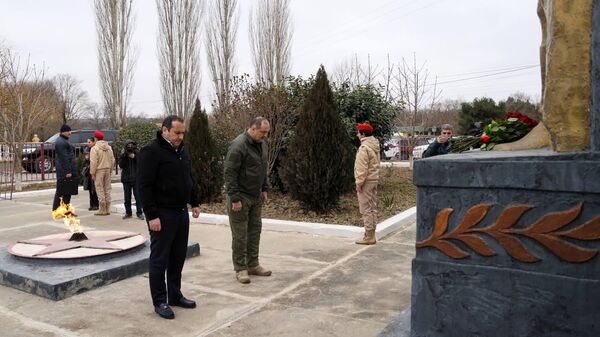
column 458, row 40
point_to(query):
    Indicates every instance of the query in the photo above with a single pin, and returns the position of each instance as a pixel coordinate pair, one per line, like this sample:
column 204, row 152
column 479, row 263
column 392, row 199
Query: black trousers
column 93, row 198
column 168, row 248
column 127, row 189
column 66, row 199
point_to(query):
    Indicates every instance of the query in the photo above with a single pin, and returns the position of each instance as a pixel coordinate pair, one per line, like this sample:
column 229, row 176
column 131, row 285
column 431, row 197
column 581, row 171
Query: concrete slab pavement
column 321, row 285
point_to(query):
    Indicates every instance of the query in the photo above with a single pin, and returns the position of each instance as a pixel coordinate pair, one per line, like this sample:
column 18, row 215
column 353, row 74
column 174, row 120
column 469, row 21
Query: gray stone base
column 400, row 326
column 457, row 300
column 529, row 280
column 58, row 280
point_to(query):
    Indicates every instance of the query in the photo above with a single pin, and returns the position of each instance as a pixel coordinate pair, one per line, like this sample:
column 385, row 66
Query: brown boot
column 103, row 209
column 100, row 209
column 259, row 271
column 107, row 209
column 242, row 276
column 368, row 239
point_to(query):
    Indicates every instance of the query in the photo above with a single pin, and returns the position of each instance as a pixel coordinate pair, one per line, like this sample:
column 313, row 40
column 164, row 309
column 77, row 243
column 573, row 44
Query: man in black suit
column 66, row 167
column 166, row 187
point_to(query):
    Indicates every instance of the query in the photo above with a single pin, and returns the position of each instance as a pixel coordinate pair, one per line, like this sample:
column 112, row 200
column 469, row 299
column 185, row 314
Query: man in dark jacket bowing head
column 246, row 184
column 166, row 187
column 66, row 167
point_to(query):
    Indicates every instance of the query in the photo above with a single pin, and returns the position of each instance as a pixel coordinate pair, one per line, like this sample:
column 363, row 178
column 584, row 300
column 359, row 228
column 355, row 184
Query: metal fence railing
column 7, row 174
column 37, row 162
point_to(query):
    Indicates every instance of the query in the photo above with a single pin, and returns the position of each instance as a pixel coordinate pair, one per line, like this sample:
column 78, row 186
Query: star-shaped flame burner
column 98, row 243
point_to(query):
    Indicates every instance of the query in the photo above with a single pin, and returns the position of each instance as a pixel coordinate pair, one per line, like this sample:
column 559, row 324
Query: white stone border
column 383, row 228
column 49, row 191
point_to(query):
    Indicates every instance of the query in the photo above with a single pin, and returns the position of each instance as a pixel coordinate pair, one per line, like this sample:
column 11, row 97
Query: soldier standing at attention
column 366, row 175
column 246, row 186
column 102, row 161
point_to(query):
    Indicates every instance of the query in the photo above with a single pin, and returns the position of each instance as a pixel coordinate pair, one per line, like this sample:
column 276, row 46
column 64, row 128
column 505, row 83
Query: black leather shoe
column 184, row 303
column 164, row 311
column 141, row 216
column 126, row 216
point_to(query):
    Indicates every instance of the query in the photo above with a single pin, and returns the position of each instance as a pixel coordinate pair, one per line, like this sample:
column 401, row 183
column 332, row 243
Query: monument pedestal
column 507, row 245
column 59, row 279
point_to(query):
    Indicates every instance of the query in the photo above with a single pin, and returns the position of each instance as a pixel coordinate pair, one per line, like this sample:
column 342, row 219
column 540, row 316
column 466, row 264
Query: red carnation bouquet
column 525, row 119
column 512, row 128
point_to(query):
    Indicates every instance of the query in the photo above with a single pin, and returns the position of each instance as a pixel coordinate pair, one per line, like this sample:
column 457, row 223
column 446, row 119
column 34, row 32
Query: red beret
column 365, row 127
column 98, row 134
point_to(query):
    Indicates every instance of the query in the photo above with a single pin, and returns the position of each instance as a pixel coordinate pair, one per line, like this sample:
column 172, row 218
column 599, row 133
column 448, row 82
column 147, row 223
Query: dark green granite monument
column 508, row 241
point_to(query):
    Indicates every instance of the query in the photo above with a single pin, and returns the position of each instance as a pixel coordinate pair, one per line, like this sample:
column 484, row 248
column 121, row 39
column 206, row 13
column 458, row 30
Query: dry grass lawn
column 396, row 193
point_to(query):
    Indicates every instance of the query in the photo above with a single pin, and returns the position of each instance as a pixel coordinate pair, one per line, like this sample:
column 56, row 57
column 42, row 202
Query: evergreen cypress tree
column 207, row 166
column 318, row 167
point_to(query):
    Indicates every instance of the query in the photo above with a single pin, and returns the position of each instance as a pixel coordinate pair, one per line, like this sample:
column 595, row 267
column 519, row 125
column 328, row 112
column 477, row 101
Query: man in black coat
column 128, row 165
column 66, row 168
column 166, row 187
column 441, row 143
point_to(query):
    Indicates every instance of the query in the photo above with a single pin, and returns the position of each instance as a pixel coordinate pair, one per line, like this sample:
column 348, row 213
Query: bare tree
column 355, row 74
column 221, row 31
column 249, row 100
column 271, row 40
column 418, row 95
column 3, row 63
column 178, row 54
column 27, row 100
column 116, row 56
column 4, row 58
column 95, row 115
column 71, row 97
column 444, row 112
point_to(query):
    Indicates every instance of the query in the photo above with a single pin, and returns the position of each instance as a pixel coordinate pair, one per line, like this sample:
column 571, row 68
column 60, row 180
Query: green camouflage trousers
column 246, row 226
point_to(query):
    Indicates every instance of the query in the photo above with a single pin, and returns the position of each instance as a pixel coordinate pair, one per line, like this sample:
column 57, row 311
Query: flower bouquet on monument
column 514, row 127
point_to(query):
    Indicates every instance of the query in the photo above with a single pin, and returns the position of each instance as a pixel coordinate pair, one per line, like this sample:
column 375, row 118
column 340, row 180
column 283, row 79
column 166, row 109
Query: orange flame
column 67, row 212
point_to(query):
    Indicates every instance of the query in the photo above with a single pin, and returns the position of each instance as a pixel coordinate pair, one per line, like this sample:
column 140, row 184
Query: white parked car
column 422, row 145
column 391, row 149
column 396, row 148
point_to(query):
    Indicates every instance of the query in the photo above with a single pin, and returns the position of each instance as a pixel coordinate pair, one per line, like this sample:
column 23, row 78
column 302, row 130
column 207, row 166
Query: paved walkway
column 321, row 286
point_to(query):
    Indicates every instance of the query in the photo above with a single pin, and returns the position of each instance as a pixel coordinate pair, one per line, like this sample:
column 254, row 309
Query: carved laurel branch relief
column 546, row 231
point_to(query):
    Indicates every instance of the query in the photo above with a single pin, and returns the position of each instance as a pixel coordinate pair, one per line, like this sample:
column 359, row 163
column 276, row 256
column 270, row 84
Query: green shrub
column 141, row 133
column 365, row 104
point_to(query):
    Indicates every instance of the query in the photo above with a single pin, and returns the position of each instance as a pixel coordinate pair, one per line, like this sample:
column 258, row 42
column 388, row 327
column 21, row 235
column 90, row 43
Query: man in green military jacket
column 246, row 186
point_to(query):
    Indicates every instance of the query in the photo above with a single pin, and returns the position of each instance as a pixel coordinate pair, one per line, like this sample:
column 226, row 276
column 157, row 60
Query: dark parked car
column 38, row 157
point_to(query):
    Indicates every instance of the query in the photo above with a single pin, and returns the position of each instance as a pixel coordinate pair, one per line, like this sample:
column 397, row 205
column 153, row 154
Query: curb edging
column 384, row 228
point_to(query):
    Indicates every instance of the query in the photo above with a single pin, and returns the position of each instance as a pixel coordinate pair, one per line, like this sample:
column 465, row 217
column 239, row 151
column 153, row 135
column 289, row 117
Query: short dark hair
column 92, row 139
column 168, row 121
column 257, row 122
column 367, row 133
column 446, row 127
